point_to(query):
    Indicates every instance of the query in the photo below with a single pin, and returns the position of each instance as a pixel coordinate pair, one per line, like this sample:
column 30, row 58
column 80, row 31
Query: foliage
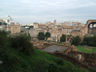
column 90, row 41
column 4, row 45
column 14, row 57
column 63, row 38
column 76, row 40
column 41, row 36
column 47, row 35
column 3, row 23
column 60, row 61
column 40, row 62
column 22, row 43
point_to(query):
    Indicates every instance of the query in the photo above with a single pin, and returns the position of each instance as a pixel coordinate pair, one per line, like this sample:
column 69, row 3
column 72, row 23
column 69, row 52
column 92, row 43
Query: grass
column 41, row 62
column 86, row 49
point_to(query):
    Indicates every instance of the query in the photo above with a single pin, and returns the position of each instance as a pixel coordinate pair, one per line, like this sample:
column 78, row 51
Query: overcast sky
column 28, row 11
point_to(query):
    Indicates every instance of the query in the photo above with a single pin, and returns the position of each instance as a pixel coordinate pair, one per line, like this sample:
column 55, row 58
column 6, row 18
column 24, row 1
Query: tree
column 4, row 42
column 3, row 23
column 41, row 36
column 22, row 43
column 76, row 40
column 63, row 38
column 5, row 63
column 89, row 40
column 47, row 35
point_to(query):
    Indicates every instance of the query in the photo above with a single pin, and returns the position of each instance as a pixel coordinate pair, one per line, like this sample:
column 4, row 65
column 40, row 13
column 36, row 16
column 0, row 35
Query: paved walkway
column 54, row 48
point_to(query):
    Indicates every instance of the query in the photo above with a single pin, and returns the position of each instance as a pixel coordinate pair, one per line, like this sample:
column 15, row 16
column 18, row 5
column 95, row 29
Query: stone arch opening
column 92, row 28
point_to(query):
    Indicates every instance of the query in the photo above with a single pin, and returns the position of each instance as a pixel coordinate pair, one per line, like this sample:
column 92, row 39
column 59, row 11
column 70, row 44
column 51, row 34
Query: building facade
column 13, row 28
column 57, row 30
column 9, row 25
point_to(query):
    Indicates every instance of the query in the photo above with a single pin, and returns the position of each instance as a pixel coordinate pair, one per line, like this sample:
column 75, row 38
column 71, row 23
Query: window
column 91, row 26
column 94, row 25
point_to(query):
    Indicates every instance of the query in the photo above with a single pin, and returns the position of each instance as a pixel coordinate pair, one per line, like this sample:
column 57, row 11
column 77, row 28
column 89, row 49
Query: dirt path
column 54, row 48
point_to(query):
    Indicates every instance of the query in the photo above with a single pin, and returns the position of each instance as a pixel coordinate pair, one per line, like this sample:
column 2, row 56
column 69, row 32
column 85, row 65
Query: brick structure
column 13, row 28
column 56, row 30
column 91, row 24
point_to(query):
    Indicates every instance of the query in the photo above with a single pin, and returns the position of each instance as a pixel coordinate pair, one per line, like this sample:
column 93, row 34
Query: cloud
column 25, row 9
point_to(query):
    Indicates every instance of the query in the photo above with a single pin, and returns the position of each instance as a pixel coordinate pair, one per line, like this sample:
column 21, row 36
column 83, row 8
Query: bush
column 60, row 61
column 90, row 41
column 22, row 43
column 41, row 36
column 41, row 66
column 5, row 64
column 52, row 68
column 4, row 43
column 47, row 35
column 76, row 40
column 63, row 38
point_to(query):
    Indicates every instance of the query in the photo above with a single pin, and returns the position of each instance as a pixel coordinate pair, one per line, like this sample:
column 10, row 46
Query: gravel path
column 54, row 48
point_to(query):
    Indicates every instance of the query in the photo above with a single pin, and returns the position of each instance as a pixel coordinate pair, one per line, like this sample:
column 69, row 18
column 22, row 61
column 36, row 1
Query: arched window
column 90, row 26
column 94, row 25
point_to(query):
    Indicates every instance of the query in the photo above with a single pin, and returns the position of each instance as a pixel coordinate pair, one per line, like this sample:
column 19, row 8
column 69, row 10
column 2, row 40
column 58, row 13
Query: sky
column 28, row 11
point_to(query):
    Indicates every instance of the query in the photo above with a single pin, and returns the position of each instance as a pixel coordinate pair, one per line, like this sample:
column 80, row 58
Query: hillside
column 39, row 61
column 17, row 54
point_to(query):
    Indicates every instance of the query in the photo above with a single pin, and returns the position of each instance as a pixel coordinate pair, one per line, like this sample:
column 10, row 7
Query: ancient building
column 8, row 20
column 76, row 33
column 56, row 30
column 91, row 24
column 76, row 25
column 55, row 22
column 9, row 25
column 2, row 24
column 35, row 25
column 89, row 28
column 13, row 28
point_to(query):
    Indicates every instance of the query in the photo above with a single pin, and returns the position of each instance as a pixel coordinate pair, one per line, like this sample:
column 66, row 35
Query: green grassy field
column 86, row 49
column 41, row 62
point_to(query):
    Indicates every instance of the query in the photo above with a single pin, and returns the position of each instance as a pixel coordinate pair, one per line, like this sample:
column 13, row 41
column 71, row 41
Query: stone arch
column 92, row 28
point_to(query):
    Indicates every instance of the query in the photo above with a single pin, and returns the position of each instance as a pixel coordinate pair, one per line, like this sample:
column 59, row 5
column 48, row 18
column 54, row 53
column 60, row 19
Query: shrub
column 4, row 43
column 52, row 68
column 47, row 35
column 59, row 61
column 22, row 43
column 90, row 41
column 5, row 64
column 41, row 36
column 76, row 40
column 63, row 38
column 41, row 66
